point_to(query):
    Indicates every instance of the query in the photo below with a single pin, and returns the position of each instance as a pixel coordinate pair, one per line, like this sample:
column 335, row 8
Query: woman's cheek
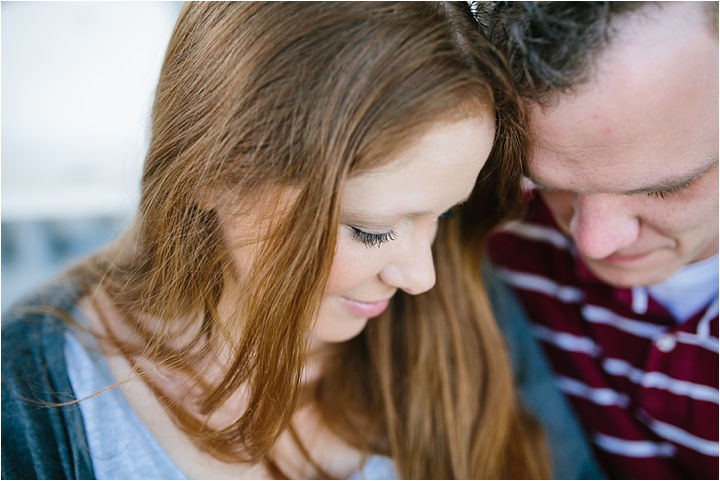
column 353, row 264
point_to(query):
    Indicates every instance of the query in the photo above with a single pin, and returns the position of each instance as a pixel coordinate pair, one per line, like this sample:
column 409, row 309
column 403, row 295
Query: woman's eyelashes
column 369, row 239
column 372, row 240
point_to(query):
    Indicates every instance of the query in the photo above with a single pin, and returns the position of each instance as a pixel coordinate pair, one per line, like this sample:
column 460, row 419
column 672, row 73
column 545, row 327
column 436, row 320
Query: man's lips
column 365, row 309
column 624, row 258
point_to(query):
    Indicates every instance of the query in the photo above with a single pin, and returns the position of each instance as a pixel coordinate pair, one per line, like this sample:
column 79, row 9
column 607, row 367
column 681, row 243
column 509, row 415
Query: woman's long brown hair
column 257, row 97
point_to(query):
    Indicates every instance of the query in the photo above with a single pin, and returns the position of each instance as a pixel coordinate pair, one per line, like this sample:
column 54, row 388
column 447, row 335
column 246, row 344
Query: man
column 616, row 259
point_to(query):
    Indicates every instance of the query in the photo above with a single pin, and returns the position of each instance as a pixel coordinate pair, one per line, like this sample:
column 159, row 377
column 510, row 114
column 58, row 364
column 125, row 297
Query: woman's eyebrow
column 409, row 214
column 412, row 215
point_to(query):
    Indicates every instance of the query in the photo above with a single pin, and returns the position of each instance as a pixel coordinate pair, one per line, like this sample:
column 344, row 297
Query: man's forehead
column 650, row 110
column 649, row 135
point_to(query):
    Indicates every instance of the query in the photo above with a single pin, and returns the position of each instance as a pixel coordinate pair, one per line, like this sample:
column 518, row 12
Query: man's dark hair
column 550, row 46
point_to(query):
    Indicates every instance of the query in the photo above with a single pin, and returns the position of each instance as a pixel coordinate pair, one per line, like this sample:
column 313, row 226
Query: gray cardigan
column 43, row 437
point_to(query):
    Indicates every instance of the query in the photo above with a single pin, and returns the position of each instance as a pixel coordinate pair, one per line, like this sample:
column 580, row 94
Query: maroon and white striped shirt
column 644, row 386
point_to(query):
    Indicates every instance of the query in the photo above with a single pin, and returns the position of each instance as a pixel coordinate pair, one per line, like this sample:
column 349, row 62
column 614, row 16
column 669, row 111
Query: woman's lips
column 365, row 309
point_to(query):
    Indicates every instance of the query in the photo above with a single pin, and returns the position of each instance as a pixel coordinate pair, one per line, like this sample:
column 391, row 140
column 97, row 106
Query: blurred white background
column 77, row 86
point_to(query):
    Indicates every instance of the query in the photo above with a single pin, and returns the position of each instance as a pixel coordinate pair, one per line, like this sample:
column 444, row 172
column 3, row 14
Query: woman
column 304, row 157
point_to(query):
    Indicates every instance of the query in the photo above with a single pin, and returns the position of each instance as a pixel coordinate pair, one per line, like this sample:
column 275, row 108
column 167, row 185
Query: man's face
column 628, row 162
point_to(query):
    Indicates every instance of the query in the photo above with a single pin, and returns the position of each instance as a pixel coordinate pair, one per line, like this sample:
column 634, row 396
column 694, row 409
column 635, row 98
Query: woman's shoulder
column 33, row 328
column 60, row 293
column 41, row 432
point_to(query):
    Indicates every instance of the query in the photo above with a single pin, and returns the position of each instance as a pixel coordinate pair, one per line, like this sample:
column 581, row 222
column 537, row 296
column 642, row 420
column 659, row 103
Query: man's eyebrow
column 668, row 184
column 675, row 183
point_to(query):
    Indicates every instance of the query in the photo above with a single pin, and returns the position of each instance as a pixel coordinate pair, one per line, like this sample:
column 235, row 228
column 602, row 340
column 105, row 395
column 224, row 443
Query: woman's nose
column 412, row 268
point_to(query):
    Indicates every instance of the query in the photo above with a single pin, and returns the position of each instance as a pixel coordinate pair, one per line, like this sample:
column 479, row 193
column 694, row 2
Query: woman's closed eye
column 370, row 239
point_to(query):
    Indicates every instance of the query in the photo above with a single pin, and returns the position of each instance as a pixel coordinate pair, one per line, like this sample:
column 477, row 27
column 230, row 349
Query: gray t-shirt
column 121, row 447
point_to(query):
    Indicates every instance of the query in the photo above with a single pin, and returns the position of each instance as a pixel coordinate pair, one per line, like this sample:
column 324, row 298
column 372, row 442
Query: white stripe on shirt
column 680, row 436
column 703, row 329
column 539, row 233
column 618, row 367
column 602, row 396
column 708, row 342
column 565, row 341
column 633, row 449
column 543, row 285
column 601, row 315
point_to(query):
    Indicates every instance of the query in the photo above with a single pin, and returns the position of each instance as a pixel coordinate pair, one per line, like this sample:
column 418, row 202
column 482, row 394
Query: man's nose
column 601, row 225
column 412, row 268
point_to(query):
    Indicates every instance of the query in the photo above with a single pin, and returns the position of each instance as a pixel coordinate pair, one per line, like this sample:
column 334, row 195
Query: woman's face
column 389, row 220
